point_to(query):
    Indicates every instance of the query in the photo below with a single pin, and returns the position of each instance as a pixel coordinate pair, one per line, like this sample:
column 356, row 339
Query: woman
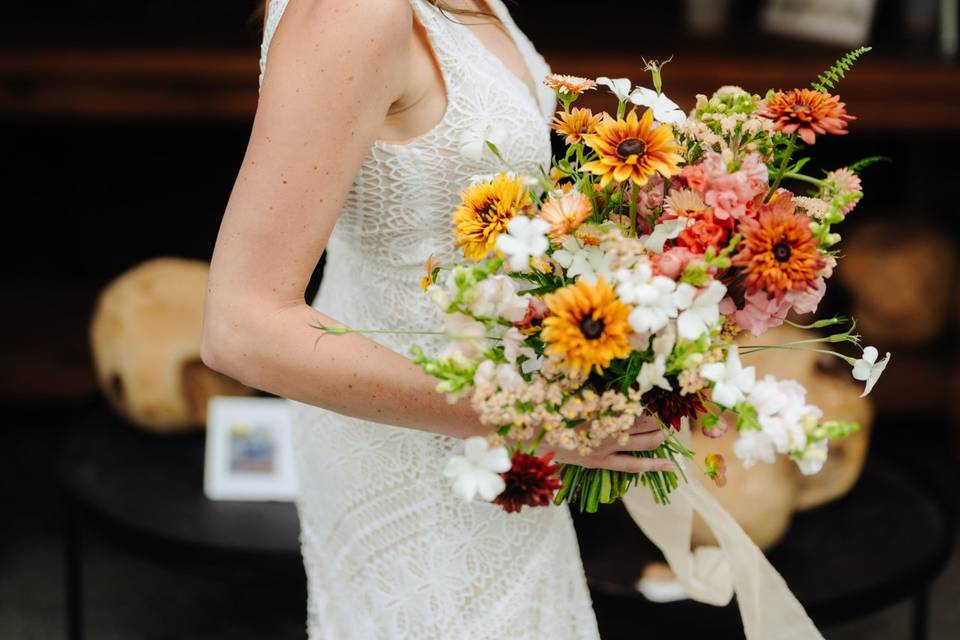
column 371, row 119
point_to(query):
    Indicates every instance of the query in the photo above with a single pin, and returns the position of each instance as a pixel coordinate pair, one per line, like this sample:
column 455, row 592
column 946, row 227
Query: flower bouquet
column 613, row 286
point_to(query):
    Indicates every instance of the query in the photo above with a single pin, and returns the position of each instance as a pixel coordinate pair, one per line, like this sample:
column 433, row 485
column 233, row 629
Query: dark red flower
column 530, row 482
column 671, row 406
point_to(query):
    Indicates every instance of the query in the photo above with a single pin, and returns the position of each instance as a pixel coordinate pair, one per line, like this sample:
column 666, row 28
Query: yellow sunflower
column 486, row 209
column 586, row 326
column 632, row 149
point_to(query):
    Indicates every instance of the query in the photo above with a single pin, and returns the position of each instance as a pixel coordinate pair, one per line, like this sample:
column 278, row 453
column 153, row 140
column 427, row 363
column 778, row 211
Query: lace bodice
column 389, row 551
column 398, row 212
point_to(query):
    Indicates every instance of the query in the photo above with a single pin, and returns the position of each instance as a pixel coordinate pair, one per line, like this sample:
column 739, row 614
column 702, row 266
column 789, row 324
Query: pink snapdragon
column 762, row 313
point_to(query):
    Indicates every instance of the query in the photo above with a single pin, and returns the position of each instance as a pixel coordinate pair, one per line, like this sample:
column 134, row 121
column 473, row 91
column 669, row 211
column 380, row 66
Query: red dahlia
column 530, row 481
column 671, row 406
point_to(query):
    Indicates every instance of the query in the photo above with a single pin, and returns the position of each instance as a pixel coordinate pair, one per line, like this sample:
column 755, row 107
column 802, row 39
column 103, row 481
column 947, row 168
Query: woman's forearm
column 349, row 374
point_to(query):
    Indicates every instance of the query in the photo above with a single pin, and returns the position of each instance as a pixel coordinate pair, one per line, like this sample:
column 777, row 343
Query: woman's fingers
column 643, row 441
column 632, row 464
column 645, row 424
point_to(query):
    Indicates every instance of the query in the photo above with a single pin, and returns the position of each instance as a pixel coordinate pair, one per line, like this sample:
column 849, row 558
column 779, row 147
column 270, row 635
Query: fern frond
column 858, row 166
column 831, row 77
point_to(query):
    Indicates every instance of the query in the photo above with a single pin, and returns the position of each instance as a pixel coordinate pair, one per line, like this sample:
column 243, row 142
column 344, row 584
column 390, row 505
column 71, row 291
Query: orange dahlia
column 486, row 209
column 569, row 84
column 632, row 149
column 566, row 212
column 779, row 252
column 575, row 124
column 807, row 113
column 586, row 326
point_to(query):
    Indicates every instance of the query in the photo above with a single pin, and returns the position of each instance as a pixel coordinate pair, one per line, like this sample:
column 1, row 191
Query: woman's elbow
column 218, row 347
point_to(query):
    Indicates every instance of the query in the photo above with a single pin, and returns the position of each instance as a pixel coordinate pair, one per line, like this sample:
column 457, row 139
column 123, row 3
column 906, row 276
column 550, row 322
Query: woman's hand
column 645, row 435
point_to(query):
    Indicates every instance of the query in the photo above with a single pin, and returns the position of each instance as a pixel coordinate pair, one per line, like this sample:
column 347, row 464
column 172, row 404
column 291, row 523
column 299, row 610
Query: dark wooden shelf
column 193, row 83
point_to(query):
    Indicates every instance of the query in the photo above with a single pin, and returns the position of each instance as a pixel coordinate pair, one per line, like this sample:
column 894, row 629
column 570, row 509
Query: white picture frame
column 840, row 22
column 248, row 453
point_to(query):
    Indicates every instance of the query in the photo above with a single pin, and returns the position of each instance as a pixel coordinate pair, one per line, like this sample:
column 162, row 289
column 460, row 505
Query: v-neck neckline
column 495, row 8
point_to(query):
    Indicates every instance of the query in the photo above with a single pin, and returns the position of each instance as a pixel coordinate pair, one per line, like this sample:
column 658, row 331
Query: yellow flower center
column 591, row 328
column 631, row 147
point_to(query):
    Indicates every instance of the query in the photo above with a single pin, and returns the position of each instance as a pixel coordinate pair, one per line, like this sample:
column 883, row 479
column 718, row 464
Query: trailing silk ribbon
column 711, row 574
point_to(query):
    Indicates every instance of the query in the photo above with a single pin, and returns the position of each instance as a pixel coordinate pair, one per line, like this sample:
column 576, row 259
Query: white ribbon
column 711, row 574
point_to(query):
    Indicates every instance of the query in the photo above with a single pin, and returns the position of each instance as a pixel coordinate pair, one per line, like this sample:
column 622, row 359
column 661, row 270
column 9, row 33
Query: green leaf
column 831, row 77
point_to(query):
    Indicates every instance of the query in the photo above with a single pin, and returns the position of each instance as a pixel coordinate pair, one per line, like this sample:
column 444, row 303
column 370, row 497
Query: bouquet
column 614, row 284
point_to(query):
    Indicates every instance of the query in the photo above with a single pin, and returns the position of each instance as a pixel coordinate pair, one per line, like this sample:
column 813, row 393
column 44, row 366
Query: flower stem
column 791, row 145
column 803, row 178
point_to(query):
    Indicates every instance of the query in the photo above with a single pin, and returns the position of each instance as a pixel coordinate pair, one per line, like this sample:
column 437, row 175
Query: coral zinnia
column 575, row 124
column 565, row 213
column 670, row 406
column 587, row 326
column 574, row 85
column 487, row 208
column 530, row 482
column 806, row 112
column 779, row 252
column 632, row 149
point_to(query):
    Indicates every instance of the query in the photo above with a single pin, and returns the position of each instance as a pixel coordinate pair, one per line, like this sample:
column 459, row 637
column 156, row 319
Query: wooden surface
column 887, row 94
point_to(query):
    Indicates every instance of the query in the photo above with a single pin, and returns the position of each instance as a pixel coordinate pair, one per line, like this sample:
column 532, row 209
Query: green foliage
column 831, row 77
column 858, row 166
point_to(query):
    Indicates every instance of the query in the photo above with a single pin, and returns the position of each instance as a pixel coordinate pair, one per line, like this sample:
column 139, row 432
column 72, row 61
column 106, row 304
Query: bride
column 372, row 117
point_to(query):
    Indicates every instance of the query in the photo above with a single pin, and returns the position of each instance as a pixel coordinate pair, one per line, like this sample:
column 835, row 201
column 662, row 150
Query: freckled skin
column 339, row 77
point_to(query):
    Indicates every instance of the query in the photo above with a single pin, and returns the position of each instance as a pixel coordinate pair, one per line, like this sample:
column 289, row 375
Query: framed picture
column 840, row 22
column 248, row 453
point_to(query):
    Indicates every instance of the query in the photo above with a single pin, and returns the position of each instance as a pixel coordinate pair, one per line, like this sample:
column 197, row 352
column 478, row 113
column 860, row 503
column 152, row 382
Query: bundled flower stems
column 612, row 286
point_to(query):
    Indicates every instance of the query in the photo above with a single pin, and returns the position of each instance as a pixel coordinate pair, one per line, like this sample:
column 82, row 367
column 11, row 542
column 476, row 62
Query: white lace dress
column 390, row 553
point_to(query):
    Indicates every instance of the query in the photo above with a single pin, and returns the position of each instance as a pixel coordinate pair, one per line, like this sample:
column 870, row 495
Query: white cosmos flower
column 525, row 238
column 478, row 470
column 731, row 379
column 586, row 263
column 664, row 109
column 653, row 298
column 665, row 341
column 665, row 231
column 497, row 297
column 473, row 141
column 868, row 369
column 651, row 375
column 701, row 311
column 619, row 87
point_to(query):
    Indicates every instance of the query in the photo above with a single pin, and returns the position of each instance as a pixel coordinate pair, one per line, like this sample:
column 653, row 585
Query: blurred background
column 123, row 127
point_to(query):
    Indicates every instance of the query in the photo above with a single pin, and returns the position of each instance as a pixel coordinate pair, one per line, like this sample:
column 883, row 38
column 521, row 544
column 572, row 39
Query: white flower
column 466, row 335
column 525, row 238
column 496, row 297
column 651, row 375
column 701, row 311
column 620, row 87
column 473, row 142
column 586, row 263
column 867, row 368
column 731, row 380
column 664, row 109
column 478, row 470
column 782, row 411
column 502, row 375
column 813, row 458
column 439, row 296
column 665, row 340
column 665, row 231
column 653, row 297
column 514, row 346
column 753, row 446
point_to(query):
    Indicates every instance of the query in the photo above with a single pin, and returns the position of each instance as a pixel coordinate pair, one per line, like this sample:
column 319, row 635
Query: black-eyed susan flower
column 632, row 149
column 586, row 326
column 486, row 209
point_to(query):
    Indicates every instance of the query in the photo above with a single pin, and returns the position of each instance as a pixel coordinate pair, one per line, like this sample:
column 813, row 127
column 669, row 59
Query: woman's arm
column 334, row 70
